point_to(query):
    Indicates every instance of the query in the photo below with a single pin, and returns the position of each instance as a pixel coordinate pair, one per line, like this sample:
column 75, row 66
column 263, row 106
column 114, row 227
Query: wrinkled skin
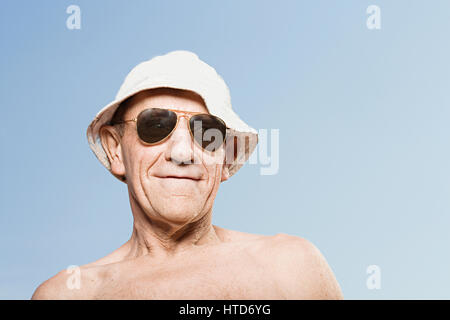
column 174, row 251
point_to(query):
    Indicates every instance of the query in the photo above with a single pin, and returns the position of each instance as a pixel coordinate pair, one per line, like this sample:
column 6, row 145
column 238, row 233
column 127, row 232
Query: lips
column 178, row 177
column 181, row 178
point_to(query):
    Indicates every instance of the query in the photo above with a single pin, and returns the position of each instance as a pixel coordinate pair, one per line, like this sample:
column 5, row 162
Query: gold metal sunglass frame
column 180, row 114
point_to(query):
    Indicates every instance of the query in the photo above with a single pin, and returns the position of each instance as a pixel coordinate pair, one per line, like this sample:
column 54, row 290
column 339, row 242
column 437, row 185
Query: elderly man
column 172, row 137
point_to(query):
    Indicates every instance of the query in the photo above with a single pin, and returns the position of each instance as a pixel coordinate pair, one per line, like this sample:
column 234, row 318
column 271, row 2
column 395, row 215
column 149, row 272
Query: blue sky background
column 363, row 118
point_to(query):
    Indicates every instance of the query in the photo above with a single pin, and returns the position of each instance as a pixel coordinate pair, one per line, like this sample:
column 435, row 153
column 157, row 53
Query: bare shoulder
column 227, row 235
column 69, row 284
column 300, row 268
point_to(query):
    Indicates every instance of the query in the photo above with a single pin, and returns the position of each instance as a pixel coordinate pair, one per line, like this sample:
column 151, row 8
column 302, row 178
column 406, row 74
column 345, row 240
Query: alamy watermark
column 73, row 281
column 73, row 21
column 260, row 148
column 373, row 282
column 373, row 21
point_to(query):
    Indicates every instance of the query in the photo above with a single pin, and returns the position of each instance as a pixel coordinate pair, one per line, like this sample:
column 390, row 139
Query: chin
column 179, row 217
column 180, row 209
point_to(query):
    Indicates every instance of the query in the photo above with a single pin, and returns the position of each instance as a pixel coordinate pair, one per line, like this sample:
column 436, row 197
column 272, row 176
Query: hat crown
column 180, row 65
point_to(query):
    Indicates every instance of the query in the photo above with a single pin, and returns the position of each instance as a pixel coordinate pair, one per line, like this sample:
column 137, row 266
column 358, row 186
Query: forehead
column 166, row 98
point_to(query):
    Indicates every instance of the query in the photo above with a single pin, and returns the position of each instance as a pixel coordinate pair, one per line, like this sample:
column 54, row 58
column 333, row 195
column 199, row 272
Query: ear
column 225, row 173
column 111, row 144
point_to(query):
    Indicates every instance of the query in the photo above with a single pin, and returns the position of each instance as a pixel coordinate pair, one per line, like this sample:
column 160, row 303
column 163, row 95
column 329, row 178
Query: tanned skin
column 174, row 251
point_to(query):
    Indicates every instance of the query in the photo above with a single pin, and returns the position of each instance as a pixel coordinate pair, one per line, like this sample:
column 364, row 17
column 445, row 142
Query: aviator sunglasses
column 155, row 125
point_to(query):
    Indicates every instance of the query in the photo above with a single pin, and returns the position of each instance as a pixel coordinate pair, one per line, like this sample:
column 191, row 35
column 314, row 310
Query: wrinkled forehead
column 166, row 98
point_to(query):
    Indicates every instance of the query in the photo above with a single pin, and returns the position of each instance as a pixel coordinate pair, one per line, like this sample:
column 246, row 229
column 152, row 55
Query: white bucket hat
column 179, row 70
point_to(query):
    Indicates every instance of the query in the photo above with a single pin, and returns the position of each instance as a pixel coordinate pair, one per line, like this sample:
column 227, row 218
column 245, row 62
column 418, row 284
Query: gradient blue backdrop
column 363, row 118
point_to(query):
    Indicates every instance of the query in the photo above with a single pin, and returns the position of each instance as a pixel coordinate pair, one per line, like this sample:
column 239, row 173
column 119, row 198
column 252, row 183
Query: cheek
column 212, row 160
column 139, row 159
column 214, row 169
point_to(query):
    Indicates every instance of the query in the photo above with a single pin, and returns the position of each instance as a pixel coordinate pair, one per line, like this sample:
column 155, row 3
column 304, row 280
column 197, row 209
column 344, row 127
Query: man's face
column 158, row 178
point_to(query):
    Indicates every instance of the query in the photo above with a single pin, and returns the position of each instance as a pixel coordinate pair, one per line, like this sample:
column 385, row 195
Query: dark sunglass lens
column 153, row 125
column 208, row 131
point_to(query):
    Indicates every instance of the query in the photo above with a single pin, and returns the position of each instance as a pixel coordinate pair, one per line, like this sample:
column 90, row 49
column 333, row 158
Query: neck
column 162, row 239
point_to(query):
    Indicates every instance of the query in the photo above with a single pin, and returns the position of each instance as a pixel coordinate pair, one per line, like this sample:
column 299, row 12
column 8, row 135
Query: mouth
column 181, row 178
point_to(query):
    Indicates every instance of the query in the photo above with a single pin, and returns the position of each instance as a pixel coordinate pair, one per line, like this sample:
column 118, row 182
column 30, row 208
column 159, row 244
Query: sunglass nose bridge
column 184, row 116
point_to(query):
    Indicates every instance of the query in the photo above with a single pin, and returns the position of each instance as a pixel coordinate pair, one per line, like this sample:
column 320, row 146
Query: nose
column 180, row 149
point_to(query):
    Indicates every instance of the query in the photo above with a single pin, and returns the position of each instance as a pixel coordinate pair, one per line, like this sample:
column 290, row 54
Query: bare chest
column 225, row 276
